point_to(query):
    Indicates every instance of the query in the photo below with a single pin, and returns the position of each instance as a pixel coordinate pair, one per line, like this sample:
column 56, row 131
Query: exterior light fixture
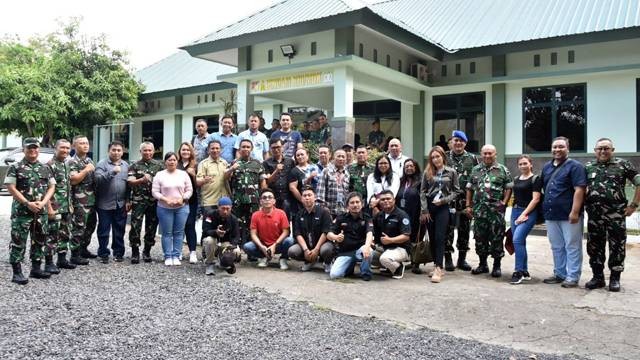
column 288, row 51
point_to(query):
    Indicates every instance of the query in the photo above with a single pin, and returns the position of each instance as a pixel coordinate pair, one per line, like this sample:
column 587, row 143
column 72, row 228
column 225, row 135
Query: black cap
column 30, row 142
column 347, row 146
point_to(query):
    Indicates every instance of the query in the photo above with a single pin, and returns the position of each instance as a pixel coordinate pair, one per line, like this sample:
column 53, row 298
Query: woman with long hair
column 382, row 178
column 172, row 188
column 301, row 175
column 187, row 163
column 526, row 192
column 408, row 199
column 438, row 190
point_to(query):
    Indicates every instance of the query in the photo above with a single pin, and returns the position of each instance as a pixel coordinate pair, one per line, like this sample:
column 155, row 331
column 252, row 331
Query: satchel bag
column 508, row 243
column 421, row 249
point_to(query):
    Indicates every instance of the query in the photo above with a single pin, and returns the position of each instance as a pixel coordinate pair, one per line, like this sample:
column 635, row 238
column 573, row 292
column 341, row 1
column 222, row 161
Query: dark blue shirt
column 558, row 194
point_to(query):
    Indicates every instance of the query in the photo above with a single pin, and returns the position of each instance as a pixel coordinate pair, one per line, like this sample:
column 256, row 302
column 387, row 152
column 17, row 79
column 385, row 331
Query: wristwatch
column 633, row 205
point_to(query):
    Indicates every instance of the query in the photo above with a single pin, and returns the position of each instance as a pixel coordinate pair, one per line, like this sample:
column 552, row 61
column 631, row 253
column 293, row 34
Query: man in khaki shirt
column 210, row 177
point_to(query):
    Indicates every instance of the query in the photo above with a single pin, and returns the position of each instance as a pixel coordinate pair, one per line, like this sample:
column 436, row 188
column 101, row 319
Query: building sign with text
column 290, row 82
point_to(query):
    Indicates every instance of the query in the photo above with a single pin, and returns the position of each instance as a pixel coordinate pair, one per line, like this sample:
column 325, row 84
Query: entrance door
column 459, row 112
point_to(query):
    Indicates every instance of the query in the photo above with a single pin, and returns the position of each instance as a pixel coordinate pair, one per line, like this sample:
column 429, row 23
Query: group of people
column 263, row 197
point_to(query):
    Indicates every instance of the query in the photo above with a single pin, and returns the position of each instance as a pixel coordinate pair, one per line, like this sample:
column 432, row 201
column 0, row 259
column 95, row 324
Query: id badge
column 402, row 203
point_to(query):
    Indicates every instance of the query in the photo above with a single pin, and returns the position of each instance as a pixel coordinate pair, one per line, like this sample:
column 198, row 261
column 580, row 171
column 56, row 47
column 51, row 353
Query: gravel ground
column 149, row 311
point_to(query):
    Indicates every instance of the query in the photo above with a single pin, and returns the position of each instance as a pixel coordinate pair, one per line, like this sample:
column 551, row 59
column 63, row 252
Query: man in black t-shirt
column 392, row 230
column 352, row 232
column 220, row 237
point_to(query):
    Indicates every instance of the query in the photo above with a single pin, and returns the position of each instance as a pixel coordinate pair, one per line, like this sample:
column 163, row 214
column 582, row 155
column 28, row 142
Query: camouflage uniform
column 60, row 227
column 245, row 187
column 358, row 175
column 84, row 204
column 143, row 204
column 462, row 164
column 489, row 184
column 322, row 135
column 33, row 181
column 605, row 204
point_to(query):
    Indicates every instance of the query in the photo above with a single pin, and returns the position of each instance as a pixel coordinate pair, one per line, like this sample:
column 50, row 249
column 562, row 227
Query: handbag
column 508, row 243
column 421, row 249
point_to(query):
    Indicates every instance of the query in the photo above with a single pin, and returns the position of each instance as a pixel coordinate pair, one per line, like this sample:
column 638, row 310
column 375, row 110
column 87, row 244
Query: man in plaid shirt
column 333, row 186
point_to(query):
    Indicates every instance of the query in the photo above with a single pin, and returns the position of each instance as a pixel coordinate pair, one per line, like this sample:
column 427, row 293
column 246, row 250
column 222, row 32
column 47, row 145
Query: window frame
column 554, row 120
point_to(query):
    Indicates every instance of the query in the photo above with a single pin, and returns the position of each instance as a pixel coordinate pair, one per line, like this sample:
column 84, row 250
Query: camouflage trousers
column 463, row 223
column 488, row 231
column 83, row 224
column 243, row 212
column 606, row 224
column 150, row 215
column 59, row 237
column 23, row 227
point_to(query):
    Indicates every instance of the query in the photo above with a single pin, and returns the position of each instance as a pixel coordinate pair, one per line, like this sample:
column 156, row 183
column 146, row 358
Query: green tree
column 64, row 84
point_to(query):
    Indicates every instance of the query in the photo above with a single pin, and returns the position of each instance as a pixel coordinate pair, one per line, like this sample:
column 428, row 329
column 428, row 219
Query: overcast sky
column 147, row 30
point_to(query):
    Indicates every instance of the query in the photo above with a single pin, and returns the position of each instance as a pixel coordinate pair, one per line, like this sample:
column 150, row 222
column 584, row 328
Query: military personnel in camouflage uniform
column 83, row 200
column 31, row 185
column 59, row 238
column 462, row 162
column 359, row 172
column 488, row 191
column 143, row 204
column 606, row 205
column 324, row 132
column 246, row 177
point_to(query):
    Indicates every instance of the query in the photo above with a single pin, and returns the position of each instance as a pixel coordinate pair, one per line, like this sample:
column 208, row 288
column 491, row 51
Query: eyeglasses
column 267, row 197
column 603, row 148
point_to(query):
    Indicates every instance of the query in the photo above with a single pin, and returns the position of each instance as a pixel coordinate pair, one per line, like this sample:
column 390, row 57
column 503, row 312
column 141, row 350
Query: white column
column 244, row 103
column 342, row 93
column 406, row 128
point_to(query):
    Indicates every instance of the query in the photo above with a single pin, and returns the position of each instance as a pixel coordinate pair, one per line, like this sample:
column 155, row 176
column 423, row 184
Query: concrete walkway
column 534, row 316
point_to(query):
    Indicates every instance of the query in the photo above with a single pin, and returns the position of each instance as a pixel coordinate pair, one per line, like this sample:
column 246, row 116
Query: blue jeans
column 190, row 227
column 520, row 233
column 114, row 221
column 283, row 249
column 172, row 227
column 345, row 262
column 566, row 245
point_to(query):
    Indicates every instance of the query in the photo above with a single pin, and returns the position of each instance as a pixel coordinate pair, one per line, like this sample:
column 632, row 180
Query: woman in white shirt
column 172, row 188
column 382, row 178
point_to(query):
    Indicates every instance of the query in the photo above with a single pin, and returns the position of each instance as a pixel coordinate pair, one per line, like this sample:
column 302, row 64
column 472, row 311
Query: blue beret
column 459, row 134
column 224, row 201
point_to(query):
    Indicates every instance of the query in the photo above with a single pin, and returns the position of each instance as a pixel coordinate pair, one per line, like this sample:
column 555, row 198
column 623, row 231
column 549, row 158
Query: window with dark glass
column 388, row 60
column 375, row 55
column 361, row 50
column 314, row 48
column 464, row 112
column 153, row 131
column 551, row 111
column 270, row 56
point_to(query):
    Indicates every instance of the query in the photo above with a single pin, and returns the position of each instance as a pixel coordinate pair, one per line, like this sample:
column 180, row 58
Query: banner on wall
column 290, row 82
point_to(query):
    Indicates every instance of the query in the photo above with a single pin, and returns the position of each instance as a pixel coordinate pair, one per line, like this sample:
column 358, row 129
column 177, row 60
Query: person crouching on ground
column 221, row 236
column 269, row 232
column 353, row 234
column 392, row 230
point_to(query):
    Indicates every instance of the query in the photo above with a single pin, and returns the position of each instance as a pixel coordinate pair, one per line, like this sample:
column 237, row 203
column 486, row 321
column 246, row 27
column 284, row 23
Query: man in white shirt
column 396, row 157
column 260, row 142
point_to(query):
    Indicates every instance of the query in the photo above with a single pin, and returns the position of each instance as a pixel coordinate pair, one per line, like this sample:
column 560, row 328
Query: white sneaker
column 176, row 262
column 327, row 268
column 283, row 264
column 262, row 262
column 305, row 266
column 168, row 262
column 193, row 258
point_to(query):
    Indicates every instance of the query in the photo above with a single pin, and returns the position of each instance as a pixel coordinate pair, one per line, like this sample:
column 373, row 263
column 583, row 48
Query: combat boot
column 135, row 255
column 37, row 272
column 49, row 266
column 496, row 272
column 17, row 277
column 63, row 263
column 462, row 261
column 482, row 267
column 448, row 262
column 85, row 253
column 614, row 281
column 597, row 281
column 146, row 254
column 76, row 259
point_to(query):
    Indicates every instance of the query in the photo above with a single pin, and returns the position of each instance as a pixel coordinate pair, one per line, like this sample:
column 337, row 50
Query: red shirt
column 269, row 226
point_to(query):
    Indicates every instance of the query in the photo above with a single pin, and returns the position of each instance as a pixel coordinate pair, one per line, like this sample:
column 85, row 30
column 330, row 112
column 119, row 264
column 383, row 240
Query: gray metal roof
column 284, row 13
column 457, row 24
column 464, row 24
column 179, row 71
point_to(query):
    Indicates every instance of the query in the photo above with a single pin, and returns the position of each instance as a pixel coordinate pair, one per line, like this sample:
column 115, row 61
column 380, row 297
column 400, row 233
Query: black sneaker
column 553, row 280
column 399, row 273
column 516, row 278
column 104, row 259
column 526, row 276
column 118, row 259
